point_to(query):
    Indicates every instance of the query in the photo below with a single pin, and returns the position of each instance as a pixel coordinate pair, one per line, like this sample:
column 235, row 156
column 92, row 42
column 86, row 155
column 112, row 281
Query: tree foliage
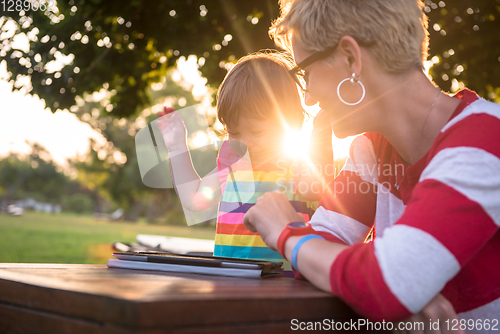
column 34, row 175
column 465, row 38
column 126, row 46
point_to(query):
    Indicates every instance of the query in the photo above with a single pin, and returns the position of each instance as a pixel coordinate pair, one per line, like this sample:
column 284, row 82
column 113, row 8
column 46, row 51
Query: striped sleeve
column 348, row 211
column 453, row 213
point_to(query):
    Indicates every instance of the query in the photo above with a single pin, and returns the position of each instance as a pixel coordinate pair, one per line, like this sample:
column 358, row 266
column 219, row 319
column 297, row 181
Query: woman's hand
column 437, row 312
column 269, row 216
column 173, row 130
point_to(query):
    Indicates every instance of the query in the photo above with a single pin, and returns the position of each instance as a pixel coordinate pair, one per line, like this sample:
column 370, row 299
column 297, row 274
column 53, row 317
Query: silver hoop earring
column 353, row 80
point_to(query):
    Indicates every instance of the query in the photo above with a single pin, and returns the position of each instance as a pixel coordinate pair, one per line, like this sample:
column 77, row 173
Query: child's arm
column 195, row 194
column 320, row 171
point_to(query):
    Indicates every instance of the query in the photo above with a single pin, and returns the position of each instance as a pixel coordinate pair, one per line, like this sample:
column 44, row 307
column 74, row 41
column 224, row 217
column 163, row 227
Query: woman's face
column 322, row 82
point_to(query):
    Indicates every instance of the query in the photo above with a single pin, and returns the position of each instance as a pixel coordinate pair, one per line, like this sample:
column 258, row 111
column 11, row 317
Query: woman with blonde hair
column 424, row 173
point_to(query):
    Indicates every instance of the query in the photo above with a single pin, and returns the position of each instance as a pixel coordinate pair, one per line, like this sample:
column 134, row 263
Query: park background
column 79, row 80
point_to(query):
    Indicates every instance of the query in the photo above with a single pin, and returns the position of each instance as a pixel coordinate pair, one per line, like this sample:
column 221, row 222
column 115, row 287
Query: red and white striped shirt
column 439, row 233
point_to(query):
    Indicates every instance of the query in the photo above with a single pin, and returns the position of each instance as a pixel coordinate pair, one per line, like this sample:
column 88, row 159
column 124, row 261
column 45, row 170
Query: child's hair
column 259, row 86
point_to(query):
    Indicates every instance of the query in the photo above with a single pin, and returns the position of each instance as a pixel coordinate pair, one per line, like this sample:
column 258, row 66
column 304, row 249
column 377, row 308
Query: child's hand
column 172, row 129
column 166, row 111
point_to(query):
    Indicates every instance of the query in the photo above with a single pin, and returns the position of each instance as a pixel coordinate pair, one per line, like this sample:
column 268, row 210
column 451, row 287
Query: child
column 258, row 104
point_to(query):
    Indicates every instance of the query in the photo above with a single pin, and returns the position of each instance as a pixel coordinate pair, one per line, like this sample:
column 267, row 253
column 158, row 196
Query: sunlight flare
column 296, row 144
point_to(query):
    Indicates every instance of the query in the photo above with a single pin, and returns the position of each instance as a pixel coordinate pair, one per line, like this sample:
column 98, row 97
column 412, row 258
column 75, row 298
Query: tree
column 13, row 173
column 128, row 46
column 465, row 39
column 34, row 175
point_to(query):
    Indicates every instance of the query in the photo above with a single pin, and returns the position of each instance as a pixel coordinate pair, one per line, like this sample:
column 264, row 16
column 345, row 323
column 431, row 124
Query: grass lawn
column 67, row 238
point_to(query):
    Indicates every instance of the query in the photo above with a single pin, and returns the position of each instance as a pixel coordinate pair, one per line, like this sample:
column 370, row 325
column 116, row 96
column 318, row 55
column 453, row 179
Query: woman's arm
column 317, row 256
column 269, row 217
column 407, row 266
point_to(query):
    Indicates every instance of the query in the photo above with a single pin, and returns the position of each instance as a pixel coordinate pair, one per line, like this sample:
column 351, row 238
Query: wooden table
column 72, row 298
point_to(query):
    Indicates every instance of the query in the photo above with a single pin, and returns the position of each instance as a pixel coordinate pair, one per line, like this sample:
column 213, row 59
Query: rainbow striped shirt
column 244, row 183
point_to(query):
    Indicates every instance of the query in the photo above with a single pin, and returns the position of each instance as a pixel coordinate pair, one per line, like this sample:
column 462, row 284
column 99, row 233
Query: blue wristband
column 299, row 244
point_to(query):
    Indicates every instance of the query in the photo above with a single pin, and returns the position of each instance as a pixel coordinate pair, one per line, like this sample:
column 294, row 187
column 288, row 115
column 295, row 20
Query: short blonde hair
column 259, row 87
column 394, row 30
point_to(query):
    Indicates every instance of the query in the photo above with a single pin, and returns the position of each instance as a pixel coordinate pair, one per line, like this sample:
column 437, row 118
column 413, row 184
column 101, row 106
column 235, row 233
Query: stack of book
column 209, row 265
